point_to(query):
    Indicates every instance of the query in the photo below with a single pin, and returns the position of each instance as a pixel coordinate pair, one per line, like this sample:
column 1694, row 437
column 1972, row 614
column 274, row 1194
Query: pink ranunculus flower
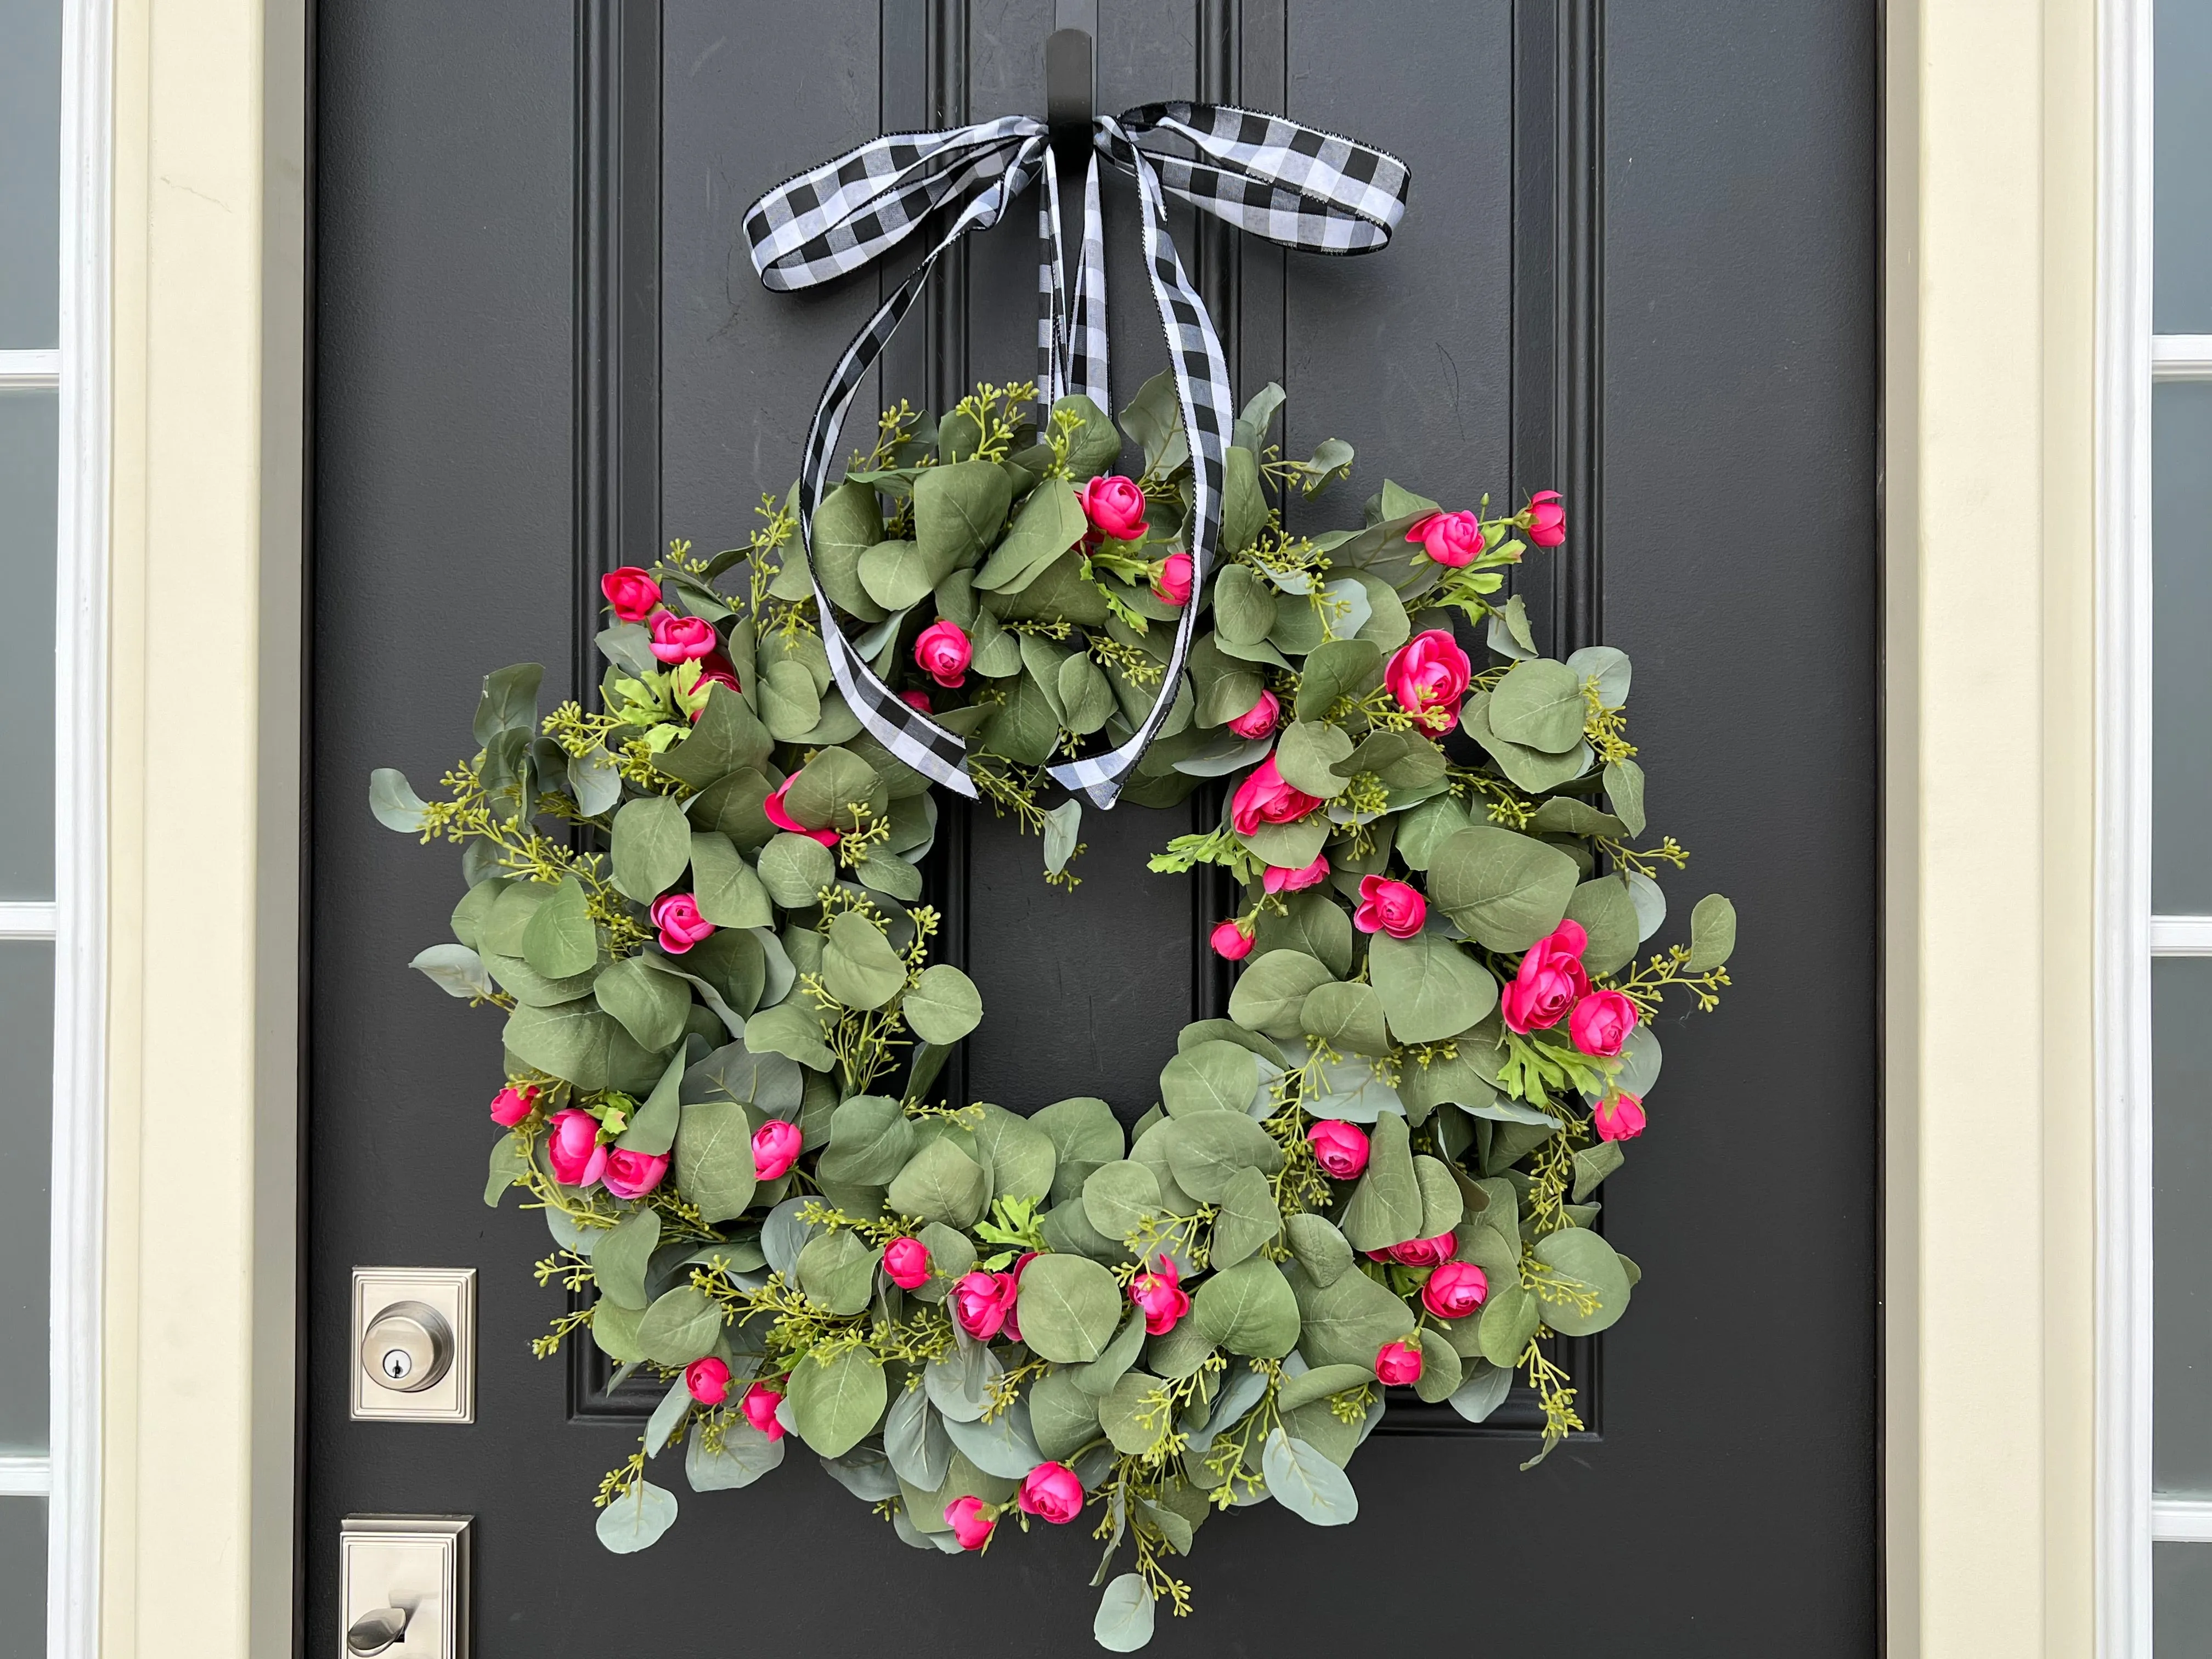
column 510, row 1105
column 917, row 700
column 1398, row 1365
column 679, row 639
column 1602, row 1021
column 633, row 1175
column 1455, row 1289
column 707, row 1379
column 759, row 1405
column 574, row 1148
column 1013, row 1299
column 1232, row 940
column 1339, row 1147
column 1259, row 718
column 682, row 926
column 1549, row 981
column 983, row 1302
column 1173, row 584
column 631, row 592
column 1547, row 519
column 905, row 1263
column 1422, row 1252
column 1389, row 907
column 1619, row 1117
column 775, row 1149
column 1052, row 1492
column 1115, row 508
column 943, row 652
column 1452, row 538
column 1264, row 798
column 1160, row 1294
column 971, row 1521
column 1428, row 677
column 1279, row 879
column 780, row 815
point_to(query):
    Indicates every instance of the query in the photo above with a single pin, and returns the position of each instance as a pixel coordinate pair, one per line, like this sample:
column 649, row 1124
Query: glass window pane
column 2181, row 1601
column 29, row 465
column 27, row 1039
column 2181, row 1107
column 23, row 1573
column 2181, row 559
column 2181, row 261
column 30, row 174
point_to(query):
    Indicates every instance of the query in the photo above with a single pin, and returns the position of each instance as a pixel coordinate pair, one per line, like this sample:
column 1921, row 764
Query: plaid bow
column 1268, row 176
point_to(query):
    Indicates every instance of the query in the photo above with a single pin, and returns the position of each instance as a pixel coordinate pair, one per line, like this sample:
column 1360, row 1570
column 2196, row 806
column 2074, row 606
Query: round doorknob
column 408, row 1346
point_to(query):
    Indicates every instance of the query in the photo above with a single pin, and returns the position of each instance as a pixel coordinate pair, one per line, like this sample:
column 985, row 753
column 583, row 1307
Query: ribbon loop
column 1271, row 177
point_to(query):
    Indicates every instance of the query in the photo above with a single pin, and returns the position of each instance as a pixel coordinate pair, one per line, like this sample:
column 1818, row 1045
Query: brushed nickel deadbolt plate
column 414, row 1342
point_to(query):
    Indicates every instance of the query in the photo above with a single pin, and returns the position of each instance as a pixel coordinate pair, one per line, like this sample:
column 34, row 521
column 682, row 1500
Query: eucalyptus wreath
column 698, row 905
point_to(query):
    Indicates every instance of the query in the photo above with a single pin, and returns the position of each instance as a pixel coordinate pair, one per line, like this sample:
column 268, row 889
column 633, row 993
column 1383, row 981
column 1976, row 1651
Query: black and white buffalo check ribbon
column 1268, row 176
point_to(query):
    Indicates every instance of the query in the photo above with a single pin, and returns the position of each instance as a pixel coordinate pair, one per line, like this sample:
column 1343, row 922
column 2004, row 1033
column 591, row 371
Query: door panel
column 541, row 349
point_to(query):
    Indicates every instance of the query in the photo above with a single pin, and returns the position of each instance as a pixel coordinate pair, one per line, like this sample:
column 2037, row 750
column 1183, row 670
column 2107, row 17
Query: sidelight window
column 53, row 145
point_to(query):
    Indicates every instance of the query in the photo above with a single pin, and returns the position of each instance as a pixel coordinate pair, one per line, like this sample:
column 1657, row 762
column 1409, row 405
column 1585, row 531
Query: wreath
column 698, row 906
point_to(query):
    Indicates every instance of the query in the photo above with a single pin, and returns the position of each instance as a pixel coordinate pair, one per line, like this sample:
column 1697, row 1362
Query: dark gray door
column 1639, row 267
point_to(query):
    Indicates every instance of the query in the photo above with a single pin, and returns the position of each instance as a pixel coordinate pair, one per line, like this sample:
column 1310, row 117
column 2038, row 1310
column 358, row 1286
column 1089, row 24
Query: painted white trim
column 30, row 371
column 80, row 1118
column 2123, row 830
column 19, row 920
column 2181, row 1521
column 25, row 1477
column 2181, row 936
column 2181, row 357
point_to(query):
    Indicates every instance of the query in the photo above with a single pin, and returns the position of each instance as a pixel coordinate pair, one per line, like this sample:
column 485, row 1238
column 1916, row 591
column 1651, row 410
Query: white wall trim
column 80, row 955
column 27, row 921
column 2181, row 357
column 2123, row 821
column 25, row 1477
column 30, row 371
column 2182, row 1520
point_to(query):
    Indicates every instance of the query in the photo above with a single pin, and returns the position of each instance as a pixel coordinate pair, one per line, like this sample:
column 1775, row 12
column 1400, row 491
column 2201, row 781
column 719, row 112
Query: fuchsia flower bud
column 1455, row 1289
column 1160, row 1294
column 1428, row 677
column 510, row 1105
column 983, row 1302
column 1547, row 519
column 1601, row 1022
column 1548, row 982
column 971, row 1521
column 633, row 1175
column 1281, row 879
column 682, row 926
column 1230, row 941
column 631, row 592
column 1389, row 907
column 1619, row 1117
column 943, row 652
column 1259, row 718
column 1264, row 798
column 1339, row 1147
column 916, row 699
column 1450, row 538
column 573, row 1148
column 759, row 1405
column 1398, row 1365
column 679, row 639
column 905, row 1263
column 1115, row 508
column 1173, row 584
column 1052, row 1492
column 709, row 1380
column 775, row 1149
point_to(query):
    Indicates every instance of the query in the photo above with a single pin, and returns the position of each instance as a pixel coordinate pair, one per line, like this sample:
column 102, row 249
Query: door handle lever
column 373, row 1633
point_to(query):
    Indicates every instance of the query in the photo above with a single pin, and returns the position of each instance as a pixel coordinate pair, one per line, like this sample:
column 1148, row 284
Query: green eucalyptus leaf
column 1306, row 1483
column 652, row 847
column 744, row 1455
column 620, row 1255
column 1385, row 1207
column 1272, row 991
column 1123, row 1623
column 683, row 1325
column 570, row 1040
column 1248, row 1308
column 636, row 1520
column 1430, row 989
column 858, row 967
column 1334, row 668
column 1539, row 705
column 1049, row 523
column 1607, row 911
column 794, row 869
column 1210, row 1149
column 1624, row 788
column 836, row 1404
column 1249, row 1218
column 944, row 1006
column 1120, row 1197
column 1069, row 1308
column 838, row 1273
column 393, row 801
column 1712, row 933
column 715, row 1159
column 1588, row 1285
column 1505, row 890
column 871, row 1139
column 1209, row 1077
column 941, row 1183
column 1347, row 1320
column 1313, row 923
column 1347, row 1018
column 957, row 509
column 1307, row 755
column 1321, row 1249
column 650, row 1005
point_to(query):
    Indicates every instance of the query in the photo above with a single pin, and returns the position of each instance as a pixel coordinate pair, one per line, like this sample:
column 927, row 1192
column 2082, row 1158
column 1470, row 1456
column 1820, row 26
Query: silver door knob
column 373, row 1633
column 407, row 1347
